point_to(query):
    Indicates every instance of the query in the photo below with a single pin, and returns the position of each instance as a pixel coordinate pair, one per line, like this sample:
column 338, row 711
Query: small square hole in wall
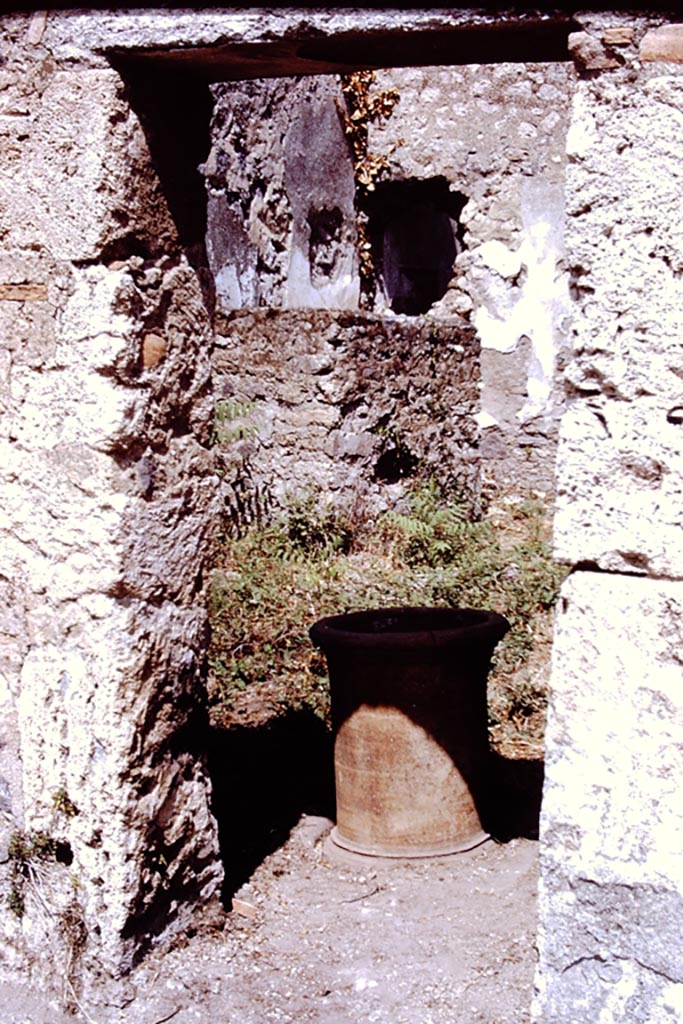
column 416, row 235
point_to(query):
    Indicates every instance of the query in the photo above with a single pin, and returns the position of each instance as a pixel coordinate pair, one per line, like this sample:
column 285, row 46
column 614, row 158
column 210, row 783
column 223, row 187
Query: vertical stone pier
column 611, row 895
column 108, row 501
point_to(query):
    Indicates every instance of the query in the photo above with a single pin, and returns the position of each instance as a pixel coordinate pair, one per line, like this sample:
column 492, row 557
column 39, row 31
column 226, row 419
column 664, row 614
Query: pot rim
column 418, row 627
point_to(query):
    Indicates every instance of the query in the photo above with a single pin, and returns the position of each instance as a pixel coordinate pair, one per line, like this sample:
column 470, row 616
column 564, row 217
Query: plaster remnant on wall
column 582, row 133
column 538, row 307
column 281, row 218
column 497, row 135
column 499, row 144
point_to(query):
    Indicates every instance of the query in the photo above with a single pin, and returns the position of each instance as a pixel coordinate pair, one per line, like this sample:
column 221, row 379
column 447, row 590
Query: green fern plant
column 432, row 532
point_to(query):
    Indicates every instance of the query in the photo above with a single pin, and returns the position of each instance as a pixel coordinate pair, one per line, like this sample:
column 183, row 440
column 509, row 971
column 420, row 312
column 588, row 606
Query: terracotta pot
column 411, row 748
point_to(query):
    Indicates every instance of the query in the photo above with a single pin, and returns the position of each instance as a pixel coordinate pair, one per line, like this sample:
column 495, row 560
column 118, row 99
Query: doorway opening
column 417, row 231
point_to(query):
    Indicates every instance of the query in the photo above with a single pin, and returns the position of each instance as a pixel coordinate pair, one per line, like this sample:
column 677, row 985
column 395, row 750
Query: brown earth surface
column 316, row 936
column 313, row 939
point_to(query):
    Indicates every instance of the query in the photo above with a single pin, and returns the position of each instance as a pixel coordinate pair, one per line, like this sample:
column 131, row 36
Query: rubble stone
column 664, row 43
column 353, row 403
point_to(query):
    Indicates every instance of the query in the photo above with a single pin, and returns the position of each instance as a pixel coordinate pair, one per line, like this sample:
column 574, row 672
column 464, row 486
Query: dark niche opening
column 395, row 464
column 415, row 233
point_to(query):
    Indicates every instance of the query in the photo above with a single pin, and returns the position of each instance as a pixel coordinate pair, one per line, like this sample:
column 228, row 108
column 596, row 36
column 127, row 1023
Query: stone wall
column 497, row 134
column 281, row 221
column 106, row 521
column 282, row 224
column 352, row 403
column 612, row 821
column 282, row 235
column 104, row 442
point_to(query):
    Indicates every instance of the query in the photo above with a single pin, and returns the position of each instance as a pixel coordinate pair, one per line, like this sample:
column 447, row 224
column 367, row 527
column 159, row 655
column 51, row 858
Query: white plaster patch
column 228, row 287
column 341, row 293
column 361, row 984
column 537, row 308
column 496, row 256
column 484, row 419
column 583, row 133
column 669, row 1006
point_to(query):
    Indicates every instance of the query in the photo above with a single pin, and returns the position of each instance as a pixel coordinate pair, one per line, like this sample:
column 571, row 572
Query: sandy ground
column 317, row 939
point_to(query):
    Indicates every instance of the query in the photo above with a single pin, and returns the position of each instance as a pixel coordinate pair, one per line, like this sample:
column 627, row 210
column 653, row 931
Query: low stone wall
column 352, row 403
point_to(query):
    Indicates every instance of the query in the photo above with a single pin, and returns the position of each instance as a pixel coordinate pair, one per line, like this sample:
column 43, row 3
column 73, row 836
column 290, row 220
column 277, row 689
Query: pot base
column 406, row 853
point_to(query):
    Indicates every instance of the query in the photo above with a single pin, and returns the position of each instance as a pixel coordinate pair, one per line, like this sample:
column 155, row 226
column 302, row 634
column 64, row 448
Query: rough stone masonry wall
column 497, row 134
column 282, row 231
column 104, row 528
column 348, row 402
column 611, row 895
column 353, row 403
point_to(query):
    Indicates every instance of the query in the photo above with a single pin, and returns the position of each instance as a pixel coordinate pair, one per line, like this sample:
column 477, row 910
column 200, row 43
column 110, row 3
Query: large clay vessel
column 411, row 751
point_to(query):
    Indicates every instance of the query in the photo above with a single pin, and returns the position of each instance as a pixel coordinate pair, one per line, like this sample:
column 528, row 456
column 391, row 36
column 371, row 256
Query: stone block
column 625, row 236
column 619, row 468
column 590, row 54
column 663, row 43
column 620, row 487
column 618, row 35
column 611, row 892
column 83, row 192
column 30, row 292
column 106, row 525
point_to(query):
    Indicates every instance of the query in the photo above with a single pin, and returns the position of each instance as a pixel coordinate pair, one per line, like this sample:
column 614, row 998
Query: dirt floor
column 310, row 937
column 313, row 938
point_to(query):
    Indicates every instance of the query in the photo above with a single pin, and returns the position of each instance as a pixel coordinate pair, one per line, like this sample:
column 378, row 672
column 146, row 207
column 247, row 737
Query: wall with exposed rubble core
column 355, row 404
column 497, row 134
column 109, row 496
column 474, row 180
column 352, row 403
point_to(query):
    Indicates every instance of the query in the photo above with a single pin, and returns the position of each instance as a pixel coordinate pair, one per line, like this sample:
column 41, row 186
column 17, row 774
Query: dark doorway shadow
column 264, row 779
column 513, row 804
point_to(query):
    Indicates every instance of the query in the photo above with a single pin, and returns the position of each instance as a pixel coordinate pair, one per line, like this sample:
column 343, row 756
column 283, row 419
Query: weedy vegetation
column 30, row 852
column 315, row 559
column 39, row 870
